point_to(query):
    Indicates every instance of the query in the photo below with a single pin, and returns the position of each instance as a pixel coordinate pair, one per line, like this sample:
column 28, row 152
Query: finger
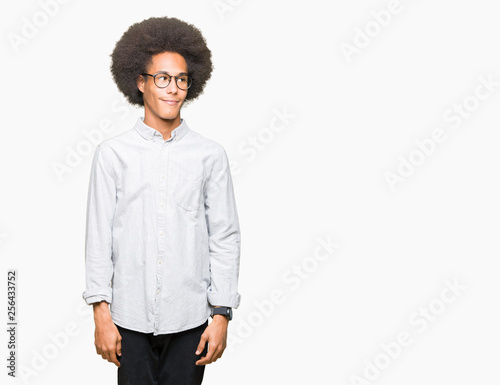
column 97, row 348
column 210, row 353
column 115, row 360
column 119, row 348
column 217, row 354
column 206, row 360
column 201, row 344
column 111, row 357
column 105, row 355
column 202, row 361
column 218, row 351
column 222, row 349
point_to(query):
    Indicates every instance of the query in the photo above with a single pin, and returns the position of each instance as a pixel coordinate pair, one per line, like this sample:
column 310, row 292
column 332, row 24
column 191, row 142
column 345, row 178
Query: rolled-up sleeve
column 223, row 235
column 101, row 203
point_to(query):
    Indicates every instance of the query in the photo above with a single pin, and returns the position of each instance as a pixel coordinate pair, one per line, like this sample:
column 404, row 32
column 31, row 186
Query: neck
column 164, row 126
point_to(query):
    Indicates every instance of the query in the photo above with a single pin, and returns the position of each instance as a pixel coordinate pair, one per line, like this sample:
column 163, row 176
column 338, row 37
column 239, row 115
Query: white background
column 356, row 118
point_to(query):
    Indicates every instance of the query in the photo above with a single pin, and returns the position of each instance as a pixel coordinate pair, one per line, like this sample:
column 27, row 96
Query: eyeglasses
column 162, row 80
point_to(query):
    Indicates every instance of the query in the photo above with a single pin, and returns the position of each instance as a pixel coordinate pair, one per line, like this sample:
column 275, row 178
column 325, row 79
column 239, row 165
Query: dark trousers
column 165, row 359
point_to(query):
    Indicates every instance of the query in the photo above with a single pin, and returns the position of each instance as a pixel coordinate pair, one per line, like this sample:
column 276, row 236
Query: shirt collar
column 149, row 132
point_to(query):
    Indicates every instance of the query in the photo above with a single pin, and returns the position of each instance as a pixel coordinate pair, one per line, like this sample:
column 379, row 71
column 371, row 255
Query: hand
column 107, row 337
column 108, row 342
column 216, row 335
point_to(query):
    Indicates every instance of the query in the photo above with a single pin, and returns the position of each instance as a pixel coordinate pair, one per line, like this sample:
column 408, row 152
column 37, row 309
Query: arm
column 224, row 247
column 98, row 255
column 106, row 335
column 223, row 235
column 101, row 203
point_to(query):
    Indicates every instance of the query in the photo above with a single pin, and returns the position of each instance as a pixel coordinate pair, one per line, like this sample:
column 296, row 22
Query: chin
column 169, row 116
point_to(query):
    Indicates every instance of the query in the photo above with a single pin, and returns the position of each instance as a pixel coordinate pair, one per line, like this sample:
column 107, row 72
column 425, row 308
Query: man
column 162, row 237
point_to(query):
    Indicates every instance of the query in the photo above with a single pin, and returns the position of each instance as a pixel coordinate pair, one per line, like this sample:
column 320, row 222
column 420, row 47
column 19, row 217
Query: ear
column 140, row 83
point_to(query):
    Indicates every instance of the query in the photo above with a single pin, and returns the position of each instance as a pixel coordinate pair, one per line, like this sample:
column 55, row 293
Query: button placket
column 162, row 223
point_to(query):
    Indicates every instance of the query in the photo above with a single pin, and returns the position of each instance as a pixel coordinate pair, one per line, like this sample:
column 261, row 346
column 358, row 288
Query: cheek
column 150, row 96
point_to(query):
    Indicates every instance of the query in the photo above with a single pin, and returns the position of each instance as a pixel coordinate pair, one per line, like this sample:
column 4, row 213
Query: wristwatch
column 224, row 310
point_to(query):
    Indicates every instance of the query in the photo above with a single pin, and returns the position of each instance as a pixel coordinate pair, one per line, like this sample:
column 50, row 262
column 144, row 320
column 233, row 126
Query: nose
column 172, row 87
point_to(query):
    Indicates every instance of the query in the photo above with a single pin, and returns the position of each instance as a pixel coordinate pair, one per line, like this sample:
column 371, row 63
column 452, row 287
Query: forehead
column 171, row 62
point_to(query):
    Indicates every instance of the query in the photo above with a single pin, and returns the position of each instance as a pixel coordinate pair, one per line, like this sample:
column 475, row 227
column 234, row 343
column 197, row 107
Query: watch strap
column 224, row 310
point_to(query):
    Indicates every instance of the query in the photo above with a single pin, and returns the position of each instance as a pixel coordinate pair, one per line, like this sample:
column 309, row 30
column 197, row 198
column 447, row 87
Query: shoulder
column 208, row 146
column 115, row 143
column 212, row 153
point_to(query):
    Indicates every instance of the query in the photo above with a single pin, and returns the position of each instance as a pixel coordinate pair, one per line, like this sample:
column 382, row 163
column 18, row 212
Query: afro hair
column 133, row 54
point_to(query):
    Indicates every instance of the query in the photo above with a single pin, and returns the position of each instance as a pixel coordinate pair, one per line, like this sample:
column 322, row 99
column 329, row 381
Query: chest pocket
column 188, row 191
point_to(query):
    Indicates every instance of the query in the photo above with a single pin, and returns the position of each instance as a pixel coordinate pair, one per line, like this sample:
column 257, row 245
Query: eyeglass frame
column 170, row 79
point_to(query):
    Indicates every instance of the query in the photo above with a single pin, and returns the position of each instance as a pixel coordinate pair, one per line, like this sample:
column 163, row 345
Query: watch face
column 227, row 311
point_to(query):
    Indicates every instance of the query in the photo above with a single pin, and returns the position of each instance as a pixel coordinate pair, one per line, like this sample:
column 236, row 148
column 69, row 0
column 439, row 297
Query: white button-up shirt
column 162, row 242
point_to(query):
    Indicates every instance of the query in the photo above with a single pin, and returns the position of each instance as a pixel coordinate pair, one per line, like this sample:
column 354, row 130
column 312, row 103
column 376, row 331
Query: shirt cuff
column 223, row 299
column 97, row 295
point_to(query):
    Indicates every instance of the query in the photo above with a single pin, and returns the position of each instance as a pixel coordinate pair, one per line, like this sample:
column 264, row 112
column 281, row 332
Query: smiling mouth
column 170, row 102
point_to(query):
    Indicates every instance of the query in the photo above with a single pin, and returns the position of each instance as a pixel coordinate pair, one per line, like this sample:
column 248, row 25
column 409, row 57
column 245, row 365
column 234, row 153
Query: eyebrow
column 179, row 74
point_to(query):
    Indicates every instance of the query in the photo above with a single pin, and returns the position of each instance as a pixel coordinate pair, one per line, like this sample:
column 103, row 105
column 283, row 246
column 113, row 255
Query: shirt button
column 162, row 204
column 161, row 233
column 163, row 176
column 159, row 261
column 157, row 291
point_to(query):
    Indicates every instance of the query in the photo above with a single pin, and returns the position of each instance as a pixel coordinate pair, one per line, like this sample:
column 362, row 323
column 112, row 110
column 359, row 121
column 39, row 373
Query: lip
column 171, row 102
